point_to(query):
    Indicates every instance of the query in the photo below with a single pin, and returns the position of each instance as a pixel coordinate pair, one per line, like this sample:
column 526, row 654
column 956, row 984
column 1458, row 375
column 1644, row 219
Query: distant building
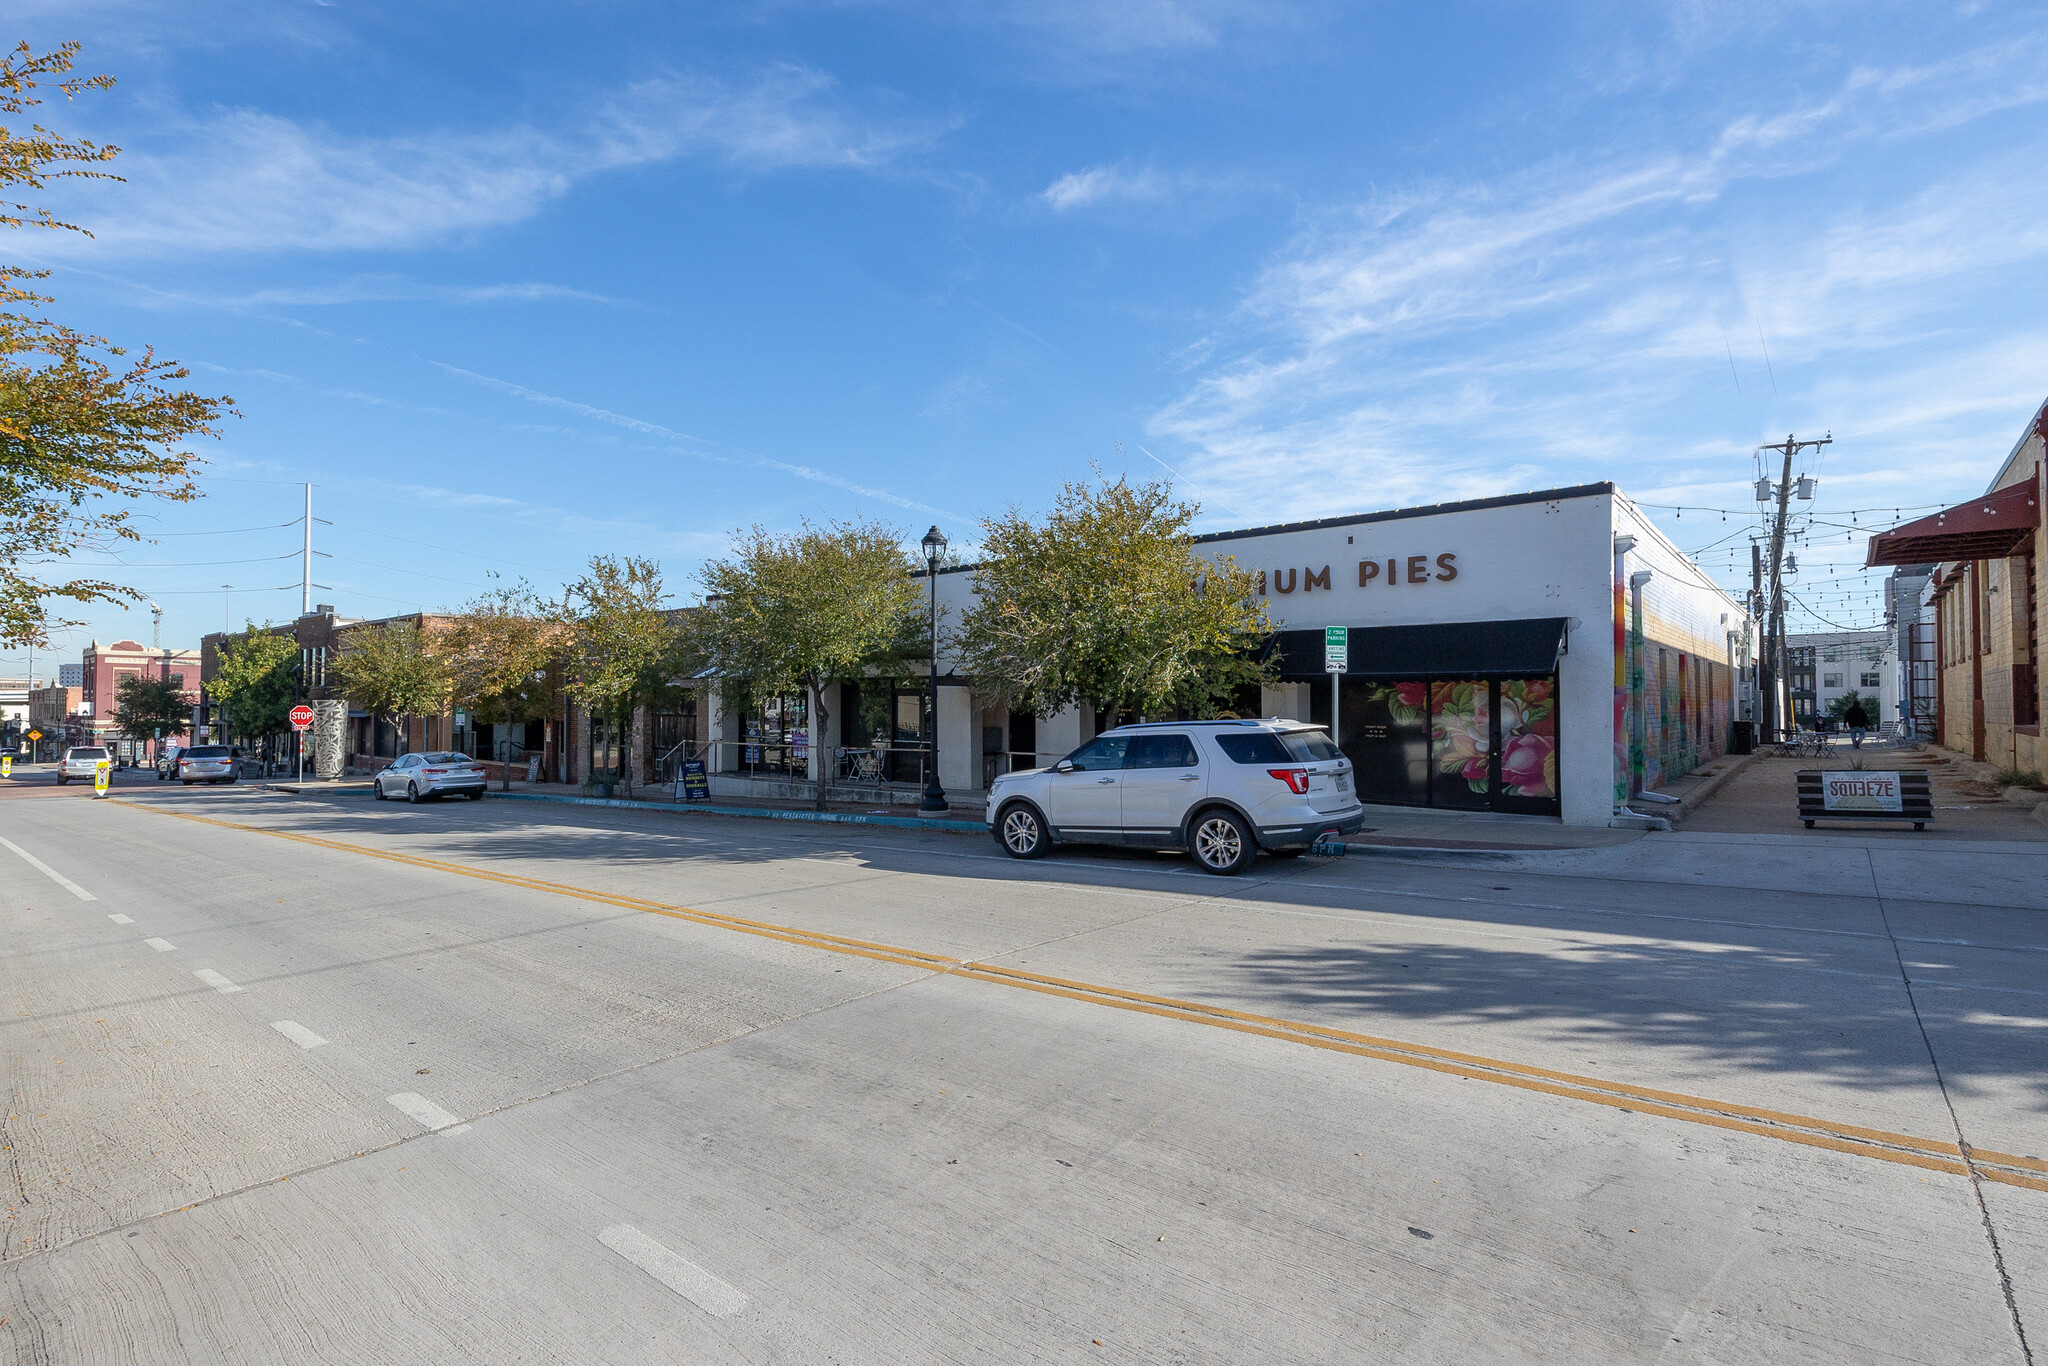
column 101, row 672
column 70, row 675
column 53, row 711
column 1909, row 614
column 1827, row 666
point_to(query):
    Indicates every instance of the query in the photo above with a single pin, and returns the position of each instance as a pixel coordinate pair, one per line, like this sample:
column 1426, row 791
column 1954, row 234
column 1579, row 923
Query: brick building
column 1988, row 555
column 101, row 671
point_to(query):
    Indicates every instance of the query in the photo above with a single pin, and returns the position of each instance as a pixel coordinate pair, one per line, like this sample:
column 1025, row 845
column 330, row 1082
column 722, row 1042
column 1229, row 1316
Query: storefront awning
column 1987, row 528
column 1449, row 649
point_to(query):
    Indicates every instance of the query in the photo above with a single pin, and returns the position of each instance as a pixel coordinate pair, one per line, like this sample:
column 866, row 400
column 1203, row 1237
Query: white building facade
column 1497, row 659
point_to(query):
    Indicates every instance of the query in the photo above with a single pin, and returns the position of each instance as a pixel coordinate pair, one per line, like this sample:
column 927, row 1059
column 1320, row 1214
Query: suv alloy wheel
column 1221, row 843
column 1021, row 832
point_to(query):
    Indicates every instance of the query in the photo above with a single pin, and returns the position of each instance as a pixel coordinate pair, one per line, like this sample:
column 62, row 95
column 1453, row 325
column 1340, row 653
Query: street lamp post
column 934, row 544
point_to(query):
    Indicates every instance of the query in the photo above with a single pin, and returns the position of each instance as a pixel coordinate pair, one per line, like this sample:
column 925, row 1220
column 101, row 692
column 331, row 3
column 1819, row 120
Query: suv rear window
column 205, row 752
column 1309, row 746
column 88, row 752
column 1254, row 747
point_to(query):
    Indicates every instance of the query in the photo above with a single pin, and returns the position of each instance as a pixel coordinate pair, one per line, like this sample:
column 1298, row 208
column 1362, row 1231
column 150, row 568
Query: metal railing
column 879, row 767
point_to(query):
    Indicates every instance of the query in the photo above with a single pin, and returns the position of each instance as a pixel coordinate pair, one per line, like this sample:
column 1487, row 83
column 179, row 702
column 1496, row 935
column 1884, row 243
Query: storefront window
column 778, row 736
column 1528, row 738
column 1461, row 744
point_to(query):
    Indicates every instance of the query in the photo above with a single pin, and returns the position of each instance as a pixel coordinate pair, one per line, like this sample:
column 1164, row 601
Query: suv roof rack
column 1218, row 721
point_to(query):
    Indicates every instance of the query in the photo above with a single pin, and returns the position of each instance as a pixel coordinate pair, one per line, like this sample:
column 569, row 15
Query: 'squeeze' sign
column 1853, row 791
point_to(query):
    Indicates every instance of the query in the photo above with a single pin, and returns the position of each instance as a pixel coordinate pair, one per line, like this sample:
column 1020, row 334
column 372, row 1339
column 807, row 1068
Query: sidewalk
column 1763, row 800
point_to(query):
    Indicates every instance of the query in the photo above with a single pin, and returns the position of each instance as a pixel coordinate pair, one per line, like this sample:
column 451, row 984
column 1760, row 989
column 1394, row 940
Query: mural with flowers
column 1528, row 737
column 1461, row 736
column 1462, row 726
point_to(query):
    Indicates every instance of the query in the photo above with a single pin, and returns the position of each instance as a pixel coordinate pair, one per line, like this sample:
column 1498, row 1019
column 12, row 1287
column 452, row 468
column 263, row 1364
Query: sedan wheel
column 1022, row 833
column 1222, row 844
column 412, row 793
column 377, row 788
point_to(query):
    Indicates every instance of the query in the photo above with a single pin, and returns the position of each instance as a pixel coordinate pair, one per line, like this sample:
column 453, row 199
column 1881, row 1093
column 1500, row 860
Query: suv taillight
column 1295, row 778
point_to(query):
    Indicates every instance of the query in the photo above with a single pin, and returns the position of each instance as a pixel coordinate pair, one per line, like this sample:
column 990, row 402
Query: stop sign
column 302, row 717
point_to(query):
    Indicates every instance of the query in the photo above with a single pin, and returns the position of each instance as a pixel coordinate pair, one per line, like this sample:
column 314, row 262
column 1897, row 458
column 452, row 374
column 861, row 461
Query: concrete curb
column 760, row 813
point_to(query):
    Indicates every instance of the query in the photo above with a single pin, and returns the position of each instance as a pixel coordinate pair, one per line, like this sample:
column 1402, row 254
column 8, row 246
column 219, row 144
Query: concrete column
column 330, row 738
column 1060, row 734
column 959, row 741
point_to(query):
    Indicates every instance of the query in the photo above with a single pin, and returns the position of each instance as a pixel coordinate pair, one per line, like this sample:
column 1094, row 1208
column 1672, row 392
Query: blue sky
column 513, row 284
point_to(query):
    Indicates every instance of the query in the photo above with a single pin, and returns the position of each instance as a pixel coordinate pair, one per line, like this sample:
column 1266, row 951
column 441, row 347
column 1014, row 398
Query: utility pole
column 1773, row 669
column 306, row 560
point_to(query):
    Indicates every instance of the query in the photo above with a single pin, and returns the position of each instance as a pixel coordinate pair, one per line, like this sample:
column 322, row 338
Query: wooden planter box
column 1847, row 794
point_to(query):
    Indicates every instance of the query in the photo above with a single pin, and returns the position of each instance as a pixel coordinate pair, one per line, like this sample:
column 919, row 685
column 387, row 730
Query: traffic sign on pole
column 1336, row 660
column 302, row 717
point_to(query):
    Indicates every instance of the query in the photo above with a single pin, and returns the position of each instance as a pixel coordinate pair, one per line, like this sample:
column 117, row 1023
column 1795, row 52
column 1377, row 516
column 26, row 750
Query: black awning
column 1448, row 649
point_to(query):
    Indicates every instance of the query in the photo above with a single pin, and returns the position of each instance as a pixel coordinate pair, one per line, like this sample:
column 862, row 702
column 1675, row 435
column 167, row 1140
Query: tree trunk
column 819, row 715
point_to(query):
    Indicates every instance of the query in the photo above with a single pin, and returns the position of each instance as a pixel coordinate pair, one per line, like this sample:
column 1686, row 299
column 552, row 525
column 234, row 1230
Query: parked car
column 207, row 764
column 421, row 776
column 167, row 762
column 79, row 761
column 1221, row 790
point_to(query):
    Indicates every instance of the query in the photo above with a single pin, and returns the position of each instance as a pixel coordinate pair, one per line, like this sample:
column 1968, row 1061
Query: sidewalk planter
column 1853, row 794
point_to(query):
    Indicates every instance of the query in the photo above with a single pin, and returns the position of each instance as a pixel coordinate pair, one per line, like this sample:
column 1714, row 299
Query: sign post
column 6, row 765
column 302, row 721
column 1336, row 661
column 102, row 774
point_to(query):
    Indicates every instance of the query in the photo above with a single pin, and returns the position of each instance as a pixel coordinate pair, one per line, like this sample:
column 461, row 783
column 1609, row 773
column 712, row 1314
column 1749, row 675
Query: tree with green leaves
column 502, row 652
column 84, row 432
column 151, row 707
column 801, row 611
column 389, row 670
column 1109, row 601
column 256, row 682
column 623, row 645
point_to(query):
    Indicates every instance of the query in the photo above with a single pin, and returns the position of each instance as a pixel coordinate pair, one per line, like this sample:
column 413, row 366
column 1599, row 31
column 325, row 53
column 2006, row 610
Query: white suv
column 1222, row 790
column 79, row 762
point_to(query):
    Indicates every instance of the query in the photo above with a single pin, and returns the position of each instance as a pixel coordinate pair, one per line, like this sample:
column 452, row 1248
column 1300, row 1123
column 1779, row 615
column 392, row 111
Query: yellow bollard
column 102, row 774
column 6, row 765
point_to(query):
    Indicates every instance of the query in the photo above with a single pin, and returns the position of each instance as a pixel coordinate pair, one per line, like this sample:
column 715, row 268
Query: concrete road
column 293, row 1080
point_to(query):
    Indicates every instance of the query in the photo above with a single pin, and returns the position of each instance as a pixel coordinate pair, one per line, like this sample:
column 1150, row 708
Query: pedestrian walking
column 1858, row 721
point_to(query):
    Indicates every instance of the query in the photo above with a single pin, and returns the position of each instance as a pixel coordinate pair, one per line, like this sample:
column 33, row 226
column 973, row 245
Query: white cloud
column 696, row 447
column 1099, row 184
column 1569, row 322
column 245, row 180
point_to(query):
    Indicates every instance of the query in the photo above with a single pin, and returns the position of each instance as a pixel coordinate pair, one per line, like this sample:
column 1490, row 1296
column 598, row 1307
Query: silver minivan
column 1222, row 790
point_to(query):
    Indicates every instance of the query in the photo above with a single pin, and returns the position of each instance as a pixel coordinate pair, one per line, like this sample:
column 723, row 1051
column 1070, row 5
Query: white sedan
column 420, row 776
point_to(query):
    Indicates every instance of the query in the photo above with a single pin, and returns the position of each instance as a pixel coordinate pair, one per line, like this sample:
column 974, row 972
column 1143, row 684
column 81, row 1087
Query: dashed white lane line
column 215, row 980
column 162, row 945
column 51, row 873
column 120, row 919
column 673, row 1270
column 297, row 1033
column 426, row 1114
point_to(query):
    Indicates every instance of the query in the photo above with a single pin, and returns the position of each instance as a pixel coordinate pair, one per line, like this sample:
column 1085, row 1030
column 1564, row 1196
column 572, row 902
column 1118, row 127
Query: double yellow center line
column 1932, row 1154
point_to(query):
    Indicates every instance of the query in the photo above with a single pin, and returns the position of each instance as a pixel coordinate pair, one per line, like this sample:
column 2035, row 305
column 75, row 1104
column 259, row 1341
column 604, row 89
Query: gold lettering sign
column 1411, row 569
